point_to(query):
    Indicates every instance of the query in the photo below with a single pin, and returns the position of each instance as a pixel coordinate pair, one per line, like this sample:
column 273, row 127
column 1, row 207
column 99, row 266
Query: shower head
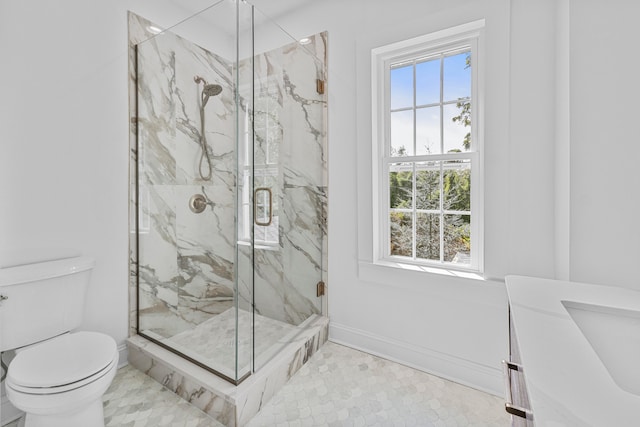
column 211, row 90
column 208, row 90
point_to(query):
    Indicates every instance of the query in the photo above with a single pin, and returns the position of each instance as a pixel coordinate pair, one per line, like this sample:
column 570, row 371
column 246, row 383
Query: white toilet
column 57, row 376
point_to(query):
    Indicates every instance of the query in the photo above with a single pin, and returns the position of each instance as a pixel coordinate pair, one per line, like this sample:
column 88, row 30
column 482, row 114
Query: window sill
column 390, row 272
column 258, row 246
column 447, row 270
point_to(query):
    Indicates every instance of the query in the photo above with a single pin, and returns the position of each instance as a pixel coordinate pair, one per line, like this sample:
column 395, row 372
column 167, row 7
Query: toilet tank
column 44, row 296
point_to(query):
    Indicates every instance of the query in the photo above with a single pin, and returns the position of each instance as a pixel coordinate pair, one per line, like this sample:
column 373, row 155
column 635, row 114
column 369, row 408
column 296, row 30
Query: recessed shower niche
column 228, row 206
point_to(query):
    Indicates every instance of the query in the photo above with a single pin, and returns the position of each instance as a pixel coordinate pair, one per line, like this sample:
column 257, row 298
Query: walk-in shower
column 228, row 184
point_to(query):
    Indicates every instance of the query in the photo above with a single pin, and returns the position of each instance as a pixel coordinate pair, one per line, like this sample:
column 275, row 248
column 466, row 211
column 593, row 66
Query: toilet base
column 90, row 416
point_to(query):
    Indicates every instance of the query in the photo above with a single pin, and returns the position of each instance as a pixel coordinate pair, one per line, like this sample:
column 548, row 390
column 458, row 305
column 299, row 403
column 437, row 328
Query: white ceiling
column 276, row 8
column 272, row 8
column 217, row 16
column 211, row 23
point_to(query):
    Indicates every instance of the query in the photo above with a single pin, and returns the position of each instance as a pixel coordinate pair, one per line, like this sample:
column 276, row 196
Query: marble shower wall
column 290, row 159
column 186, row 260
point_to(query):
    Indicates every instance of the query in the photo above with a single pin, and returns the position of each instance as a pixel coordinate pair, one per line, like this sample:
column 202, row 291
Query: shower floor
column 212, row 342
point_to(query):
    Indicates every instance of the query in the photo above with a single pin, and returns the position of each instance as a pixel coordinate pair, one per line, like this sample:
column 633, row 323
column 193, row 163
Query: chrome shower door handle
column 255, row 206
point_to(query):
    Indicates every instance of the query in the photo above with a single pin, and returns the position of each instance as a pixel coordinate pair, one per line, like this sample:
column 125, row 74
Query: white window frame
column 467, row 35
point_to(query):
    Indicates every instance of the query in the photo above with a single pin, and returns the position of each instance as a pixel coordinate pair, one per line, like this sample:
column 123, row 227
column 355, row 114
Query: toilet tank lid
column 44, row 270
column 17, row 257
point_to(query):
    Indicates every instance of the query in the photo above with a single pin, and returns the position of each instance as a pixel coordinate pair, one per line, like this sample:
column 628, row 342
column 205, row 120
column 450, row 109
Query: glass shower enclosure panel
column 288, row 184
column 231, row 186
column 191, row 100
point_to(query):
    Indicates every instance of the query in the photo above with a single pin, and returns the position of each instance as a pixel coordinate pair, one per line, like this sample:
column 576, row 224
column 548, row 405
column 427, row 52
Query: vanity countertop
column 568, row 384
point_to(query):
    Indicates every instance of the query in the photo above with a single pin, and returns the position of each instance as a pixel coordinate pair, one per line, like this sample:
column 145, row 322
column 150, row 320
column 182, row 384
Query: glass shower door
column 289, row 185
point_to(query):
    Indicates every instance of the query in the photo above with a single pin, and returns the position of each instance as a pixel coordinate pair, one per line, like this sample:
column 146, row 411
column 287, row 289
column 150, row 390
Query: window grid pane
column 402, row 133
column 428, row 82
column 401, row 186
column 401, row 230
column 428, row 185
column 457, row 239
column 428, row 130
column 429, row 246
column 401, row 92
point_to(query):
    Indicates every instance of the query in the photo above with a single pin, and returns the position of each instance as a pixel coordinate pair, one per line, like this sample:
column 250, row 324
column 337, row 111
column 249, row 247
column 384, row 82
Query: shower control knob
column 197, row 203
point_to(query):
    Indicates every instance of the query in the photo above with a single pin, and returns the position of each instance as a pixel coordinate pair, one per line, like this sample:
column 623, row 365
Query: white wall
column 531, row 246
column 562, row 162
column 605, row 199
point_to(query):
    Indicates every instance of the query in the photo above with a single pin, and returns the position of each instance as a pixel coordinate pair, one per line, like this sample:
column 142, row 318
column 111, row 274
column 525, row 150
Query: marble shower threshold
column 229, row 404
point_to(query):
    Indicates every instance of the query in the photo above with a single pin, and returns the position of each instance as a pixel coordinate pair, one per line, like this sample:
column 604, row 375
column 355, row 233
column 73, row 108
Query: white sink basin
column 614, row 334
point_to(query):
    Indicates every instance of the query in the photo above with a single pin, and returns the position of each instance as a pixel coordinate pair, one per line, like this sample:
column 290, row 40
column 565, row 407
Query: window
column 259, row 161
column 266, row 154
column 427, row 161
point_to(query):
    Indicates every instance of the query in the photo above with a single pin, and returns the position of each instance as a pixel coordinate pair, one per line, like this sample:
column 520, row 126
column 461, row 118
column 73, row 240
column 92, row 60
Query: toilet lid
column 63, row 360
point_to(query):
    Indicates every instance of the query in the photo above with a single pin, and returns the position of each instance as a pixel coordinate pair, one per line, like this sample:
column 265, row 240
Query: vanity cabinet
column 517, row 404
column 568, row 383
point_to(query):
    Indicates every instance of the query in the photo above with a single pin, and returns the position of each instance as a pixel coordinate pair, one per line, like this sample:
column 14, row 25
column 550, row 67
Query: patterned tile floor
column 339, row 386
column 136, row 400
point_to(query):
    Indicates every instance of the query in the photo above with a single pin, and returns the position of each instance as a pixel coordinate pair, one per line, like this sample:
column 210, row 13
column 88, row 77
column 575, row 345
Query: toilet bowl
column 60, row 382
column 58, row 375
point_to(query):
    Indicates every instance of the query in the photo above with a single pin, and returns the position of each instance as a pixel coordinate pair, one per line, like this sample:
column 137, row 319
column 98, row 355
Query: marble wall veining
column 186, row 260
column 290, row 158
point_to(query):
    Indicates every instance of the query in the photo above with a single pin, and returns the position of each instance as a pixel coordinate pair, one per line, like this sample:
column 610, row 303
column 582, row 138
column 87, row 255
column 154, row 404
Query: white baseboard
column 443, row 365
column 123, row 354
